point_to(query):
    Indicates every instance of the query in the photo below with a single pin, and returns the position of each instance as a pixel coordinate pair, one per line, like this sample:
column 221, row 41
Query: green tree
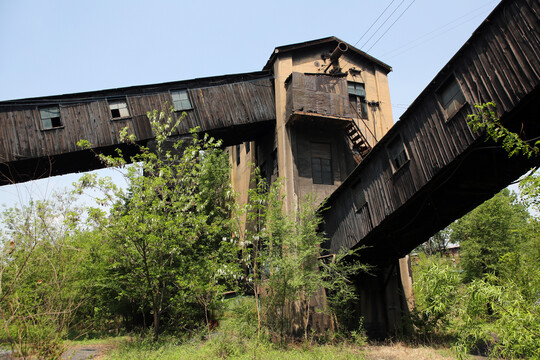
column 437, row 244
column 40, row 275
column 488, row 232
column 169, row 233
column 287, row 265
column 436, row 283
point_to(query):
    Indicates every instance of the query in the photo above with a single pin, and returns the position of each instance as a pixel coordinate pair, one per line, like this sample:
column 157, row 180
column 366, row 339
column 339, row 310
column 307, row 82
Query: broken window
column 181, row 100
column 450, row 97
column 357, row 98
column 50, row 117
column 397, row 153
column 321, row 163
column 358, row 195
column 118, row 108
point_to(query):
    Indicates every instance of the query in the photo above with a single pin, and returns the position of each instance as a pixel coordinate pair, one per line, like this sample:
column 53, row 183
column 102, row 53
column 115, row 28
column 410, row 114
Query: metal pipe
column 338, row 51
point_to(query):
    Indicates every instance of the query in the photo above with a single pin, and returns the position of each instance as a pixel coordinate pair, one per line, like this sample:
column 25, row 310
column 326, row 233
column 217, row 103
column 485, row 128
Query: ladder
column 359, row 145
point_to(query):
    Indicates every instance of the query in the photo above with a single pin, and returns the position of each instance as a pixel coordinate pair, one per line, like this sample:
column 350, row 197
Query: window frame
column 360, row 202
column 181, row 101
column 326, row 171
column 115, row 101
column 394, row 155
column 358, row 93
column 52, row 126
column 440, row 94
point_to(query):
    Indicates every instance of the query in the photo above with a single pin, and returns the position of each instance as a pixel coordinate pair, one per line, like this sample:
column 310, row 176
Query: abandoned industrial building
column 318, row 115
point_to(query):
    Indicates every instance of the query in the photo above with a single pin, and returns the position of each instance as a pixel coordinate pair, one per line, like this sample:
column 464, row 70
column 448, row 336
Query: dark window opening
column 248, row 146
column 275, row 165
column 118, row 108
column 359, row 197
column 451, row 97
column 50, row 117
column 321, row 164
column 397, row 153
column 237, row 155
column 357, row 98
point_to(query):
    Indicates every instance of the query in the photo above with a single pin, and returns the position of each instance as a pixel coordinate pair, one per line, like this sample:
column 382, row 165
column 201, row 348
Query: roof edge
column 148, row 88
column 293, row 47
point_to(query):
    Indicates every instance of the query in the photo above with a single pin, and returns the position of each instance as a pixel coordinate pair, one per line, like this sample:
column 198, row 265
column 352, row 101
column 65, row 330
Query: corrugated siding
column 500, row 63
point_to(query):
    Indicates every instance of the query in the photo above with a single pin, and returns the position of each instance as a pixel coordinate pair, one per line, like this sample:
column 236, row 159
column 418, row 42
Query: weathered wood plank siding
column 500, row 63
column 241, row 100
column 319, row 94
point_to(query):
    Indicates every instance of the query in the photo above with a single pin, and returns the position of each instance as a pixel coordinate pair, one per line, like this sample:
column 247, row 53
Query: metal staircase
column 359, row 145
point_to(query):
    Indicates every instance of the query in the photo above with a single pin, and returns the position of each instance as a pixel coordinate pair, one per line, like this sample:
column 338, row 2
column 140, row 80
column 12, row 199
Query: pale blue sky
column 59, row 46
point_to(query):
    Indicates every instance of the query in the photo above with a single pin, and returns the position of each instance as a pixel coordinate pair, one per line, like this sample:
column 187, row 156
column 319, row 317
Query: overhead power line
column 384, row 22
column 399, row 17
column 365, row 33
column 471, row 15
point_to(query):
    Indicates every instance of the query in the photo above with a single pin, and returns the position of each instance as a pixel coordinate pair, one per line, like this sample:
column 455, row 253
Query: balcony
column 317, row 96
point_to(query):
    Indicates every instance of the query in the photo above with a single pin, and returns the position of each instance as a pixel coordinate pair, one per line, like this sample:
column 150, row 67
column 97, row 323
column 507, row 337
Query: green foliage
column 437, row 244
column 436, row 282
column 486, row 119
column 529, row 188
column 40, row 276
column 220, row 349
column 342, row 296
column 488, row 232
column 498, row 319
column 169, row 249
column 494, row 311
column 287, row 267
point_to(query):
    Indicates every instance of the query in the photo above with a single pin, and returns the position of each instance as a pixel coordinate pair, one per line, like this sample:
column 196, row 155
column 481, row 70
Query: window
column 321, row 163
column 181, row 100
column 248, row 146
column 451, row 97
column 359, row 197
column 50, row 117
column 397, row 153
column 357, row 98
column 237, row 155
column 118, row 108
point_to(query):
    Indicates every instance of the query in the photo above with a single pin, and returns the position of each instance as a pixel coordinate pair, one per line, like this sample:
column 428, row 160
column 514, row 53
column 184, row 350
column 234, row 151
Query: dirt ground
column 84, row 352
column 404, row 352
column 400, row 351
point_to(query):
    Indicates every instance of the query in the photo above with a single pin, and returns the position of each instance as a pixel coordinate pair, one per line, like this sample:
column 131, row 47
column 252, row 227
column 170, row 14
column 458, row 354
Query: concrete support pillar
column 383, row 300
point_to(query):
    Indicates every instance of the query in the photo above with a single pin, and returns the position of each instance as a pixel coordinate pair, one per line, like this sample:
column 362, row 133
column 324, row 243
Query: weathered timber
column 234, row 108
column 448, row 169
column 317, row 95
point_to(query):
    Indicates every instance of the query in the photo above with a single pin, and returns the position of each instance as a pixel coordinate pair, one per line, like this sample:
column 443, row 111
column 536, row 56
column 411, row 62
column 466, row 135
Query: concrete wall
column 292, row 141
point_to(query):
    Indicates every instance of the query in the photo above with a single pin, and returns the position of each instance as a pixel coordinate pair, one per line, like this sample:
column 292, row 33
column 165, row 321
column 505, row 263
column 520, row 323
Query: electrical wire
column 348, row 65
column 384, row 22
column 399, row 17
column 436, row 32
column 365, row 33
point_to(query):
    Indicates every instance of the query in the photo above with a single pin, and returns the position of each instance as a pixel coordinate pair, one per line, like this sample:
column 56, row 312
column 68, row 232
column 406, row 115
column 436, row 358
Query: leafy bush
column 40, row 276
column 436, row 287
